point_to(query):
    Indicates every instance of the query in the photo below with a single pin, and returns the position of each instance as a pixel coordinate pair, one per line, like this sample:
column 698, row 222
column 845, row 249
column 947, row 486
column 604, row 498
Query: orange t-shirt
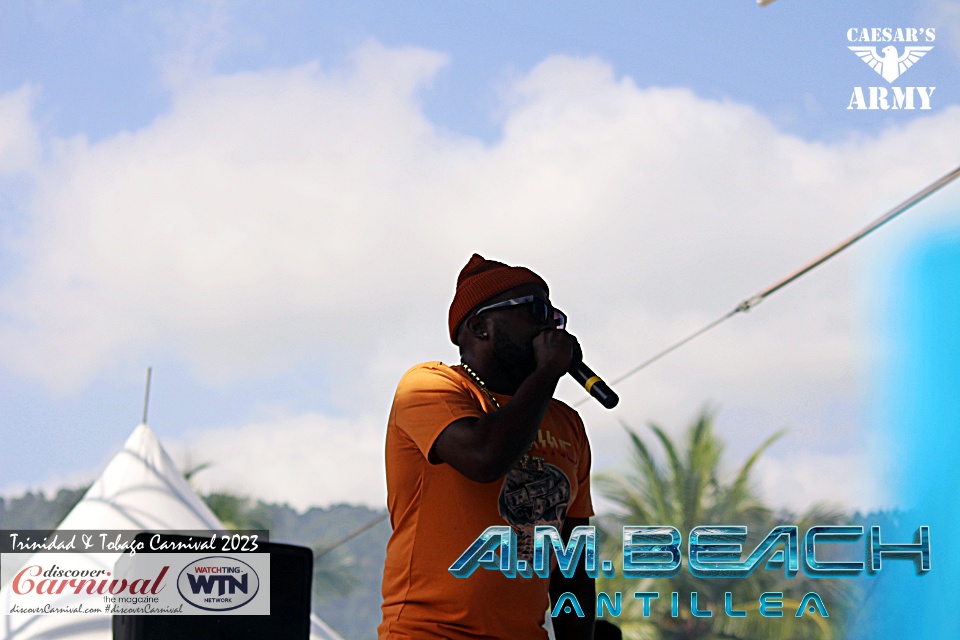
column 436, row 513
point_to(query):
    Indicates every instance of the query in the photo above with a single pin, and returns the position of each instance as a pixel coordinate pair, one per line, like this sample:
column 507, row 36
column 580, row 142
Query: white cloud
column 19, row 139
column 201, row 34
column 236, row 230
column 846, row 480
column 944, row 16
column 292, row 216
column 303, row 460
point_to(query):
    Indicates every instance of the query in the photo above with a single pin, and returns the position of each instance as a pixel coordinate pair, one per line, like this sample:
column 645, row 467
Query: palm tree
column 689, row 491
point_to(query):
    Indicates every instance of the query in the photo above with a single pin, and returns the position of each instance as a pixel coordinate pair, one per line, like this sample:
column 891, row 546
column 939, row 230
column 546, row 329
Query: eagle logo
column 890, row 64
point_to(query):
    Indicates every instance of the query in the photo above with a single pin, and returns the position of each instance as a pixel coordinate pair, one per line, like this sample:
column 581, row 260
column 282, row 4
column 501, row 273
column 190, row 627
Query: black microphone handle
column 594, row 385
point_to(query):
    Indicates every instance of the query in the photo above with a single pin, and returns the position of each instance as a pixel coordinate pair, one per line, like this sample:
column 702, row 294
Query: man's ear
column 476, row 326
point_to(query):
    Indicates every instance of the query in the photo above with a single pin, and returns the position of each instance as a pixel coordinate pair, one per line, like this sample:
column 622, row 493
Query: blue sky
column 269, row 203
column 99, row 67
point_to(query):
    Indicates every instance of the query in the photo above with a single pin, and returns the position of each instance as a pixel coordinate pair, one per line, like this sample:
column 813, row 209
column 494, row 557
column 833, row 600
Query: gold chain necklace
column 527, row 461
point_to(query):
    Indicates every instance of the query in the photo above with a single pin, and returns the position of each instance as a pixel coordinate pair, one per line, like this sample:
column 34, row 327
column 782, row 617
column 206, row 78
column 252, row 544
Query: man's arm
column 569, row 626
column 485, row 448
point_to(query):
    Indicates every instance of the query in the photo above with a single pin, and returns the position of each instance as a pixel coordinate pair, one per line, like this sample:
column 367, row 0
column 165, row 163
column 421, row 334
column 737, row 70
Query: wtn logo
column 206, row 584
column 218, row 583
column 890, row 64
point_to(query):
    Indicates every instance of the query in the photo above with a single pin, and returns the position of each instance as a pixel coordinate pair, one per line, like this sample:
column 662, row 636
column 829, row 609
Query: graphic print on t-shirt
column 531, row 497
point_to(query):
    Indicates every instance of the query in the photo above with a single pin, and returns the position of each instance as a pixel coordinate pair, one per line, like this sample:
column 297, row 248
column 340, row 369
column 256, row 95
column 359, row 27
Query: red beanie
column 481, row 280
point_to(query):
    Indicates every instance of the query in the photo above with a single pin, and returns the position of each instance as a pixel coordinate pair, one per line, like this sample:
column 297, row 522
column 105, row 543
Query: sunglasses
column 541, row 310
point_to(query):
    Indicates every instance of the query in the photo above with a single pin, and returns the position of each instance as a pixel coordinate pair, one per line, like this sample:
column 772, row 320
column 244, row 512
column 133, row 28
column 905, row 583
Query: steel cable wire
column 754, row 300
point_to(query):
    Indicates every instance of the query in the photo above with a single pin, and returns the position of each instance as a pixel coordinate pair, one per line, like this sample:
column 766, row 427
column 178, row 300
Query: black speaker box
column 291, row 578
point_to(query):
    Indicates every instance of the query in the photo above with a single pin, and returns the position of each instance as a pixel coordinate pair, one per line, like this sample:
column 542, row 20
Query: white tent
column 140, row 489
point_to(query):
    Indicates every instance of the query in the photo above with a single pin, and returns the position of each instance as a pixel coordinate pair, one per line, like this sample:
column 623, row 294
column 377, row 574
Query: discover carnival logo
column 891, row 52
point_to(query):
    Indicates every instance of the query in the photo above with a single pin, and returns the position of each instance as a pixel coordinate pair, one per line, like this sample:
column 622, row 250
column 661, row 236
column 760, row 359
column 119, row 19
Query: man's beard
column 514, row 361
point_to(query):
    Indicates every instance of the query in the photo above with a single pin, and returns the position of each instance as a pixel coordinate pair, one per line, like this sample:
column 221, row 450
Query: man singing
column 479, row 444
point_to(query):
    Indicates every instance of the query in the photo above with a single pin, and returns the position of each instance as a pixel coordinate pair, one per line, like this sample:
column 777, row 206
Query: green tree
column 687, row 490
column 35, row 511
column 238, row 513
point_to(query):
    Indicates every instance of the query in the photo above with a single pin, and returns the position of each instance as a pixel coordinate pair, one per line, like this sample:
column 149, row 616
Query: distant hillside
column 36, row 511
column 356, row 615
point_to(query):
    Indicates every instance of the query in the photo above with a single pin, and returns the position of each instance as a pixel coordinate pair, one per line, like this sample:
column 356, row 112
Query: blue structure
column 921, row 411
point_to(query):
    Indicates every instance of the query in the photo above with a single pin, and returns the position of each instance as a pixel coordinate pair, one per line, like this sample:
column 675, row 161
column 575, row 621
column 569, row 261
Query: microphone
column 594, row 385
